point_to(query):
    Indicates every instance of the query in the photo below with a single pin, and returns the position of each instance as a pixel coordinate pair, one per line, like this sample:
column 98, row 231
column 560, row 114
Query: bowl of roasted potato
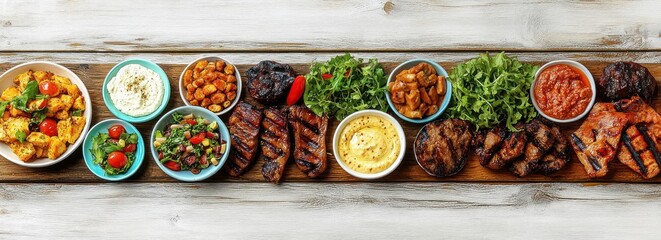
column 418, row 90
column 45, row 111
column 212, row 83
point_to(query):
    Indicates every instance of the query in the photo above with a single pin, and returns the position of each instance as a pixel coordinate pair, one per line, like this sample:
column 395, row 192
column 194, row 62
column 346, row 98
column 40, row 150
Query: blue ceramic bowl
column 102, row 127
column 186, row 175
column 440, row 71
column 145, row 63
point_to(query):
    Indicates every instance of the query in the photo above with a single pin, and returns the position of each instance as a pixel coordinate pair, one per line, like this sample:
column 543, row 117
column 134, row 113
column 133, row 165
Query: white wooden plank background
column 302, row 25
column 247, row 31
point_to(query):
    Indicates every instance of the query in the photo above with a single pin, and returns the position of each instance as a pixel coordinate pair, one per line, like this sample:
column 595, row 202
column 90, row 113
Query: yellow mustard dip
column 369, row 144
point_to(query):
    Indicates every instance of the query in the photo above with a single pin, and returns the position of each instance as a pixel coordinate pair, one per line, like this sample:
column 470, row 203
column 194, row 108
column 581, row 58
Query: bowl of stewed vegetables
column 190, row 143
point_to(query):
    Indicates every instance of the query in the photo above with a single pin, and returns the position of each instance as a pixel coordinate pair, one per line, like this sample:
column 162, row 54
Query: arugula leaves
column 489, row 89
column 31, row 90
column 344, row 85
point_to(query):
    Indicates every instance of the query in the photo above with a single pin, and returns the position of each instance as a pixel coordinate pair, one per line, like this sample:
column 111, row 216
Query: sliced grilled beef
column 243, row 126
column 557, row 156
column 275, row 144
column 441, row 147
column 487, row 142
column 309, row 140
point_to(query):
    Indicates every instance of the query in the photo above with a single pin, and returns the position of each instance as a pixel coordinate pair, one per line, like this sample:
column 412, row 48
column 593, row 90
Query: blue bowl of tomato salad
column 190, row 143
column 118, row 161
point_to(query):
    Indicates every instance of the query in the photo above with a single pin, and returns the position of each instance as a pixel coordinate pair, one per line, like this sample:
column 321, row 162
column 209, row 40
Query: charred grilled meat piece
column 309, row 140
column 487, row 142
column 626, row 79
column 275, row 143
column 269, row 81
column 640, row 142
column 441, row 147
column 640, row 149
column 512, row 147
column 596, row 141
column 557, row 156
column 244, row 126
column 539, row 140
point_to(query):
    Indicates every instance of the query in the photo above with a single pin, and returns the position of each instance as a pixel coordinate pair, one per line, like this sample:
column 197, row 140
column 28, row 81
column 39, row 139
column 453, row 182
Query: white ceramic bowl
column 7, row 80
column 576, row 65
column 400, row 133
column 239, row 85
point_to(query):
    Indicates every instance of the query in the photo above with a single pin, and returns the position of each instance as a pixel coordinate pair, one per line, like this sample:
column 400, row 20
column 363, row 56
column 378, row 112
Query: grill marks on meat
column 309, row 140
column 596, row 140
column 538, row 147
column 268, row 81
column 441, row 147
column 626, row 79
column 275, row 144
column 244, row 124
column 640, row 141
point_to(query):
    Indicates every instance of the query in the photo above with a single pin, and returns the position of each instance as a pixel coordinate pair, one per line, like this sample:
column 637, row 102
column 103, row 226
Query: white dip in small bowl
column 136, row 90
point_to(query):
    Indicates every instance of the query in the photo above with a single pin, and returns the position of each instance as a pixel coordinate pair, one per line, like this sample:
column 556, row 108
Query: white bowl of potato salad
column 45, row 112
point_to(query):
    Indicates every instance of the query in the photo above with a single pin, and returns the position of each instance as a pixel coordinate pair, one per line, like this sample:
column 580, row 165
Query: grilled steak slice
column 275, row 144
column 269, row 81
column 244, row 131
column 626, row 79
column 441, row 147
column 488, row 142
column 309, row 140
column 557, row 157
column 512, row 147
column 596, row 141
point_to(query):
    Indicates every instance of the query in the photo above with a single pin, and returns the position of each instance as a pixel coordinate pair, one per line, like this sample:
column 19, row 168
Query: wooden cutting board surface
column 73, row 169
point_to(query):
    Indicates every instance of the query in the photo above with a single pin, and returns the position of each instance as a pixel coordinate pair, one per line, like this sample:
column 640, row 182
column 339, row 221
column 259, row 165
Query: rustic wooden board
column 74, row 169
column 301, row 25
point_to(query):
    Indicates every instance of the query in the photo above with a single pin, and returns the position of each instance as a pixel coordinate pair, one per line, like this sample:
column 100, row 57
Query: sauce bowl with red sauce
column 563, row 91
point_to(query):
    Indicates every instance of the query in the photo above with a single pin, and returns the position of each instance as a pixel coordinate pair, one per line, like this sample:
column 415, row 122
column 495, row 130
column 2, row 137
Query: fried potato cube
column 16, row 124
column 77, row 125
column 25, row 151
column 38, row 139
column 199, row 94
column 219, row 84
column 220, row 65
column 218, row 98
column 215, row 108
column 9, row 93
column 42, row 75
column 61, row 115
column 64, row 129
column 61, row 80
column 79, row 103
column 72, row 90
column 56, row 148
column 4, row 137
column 55, row 105
column 22, row 79
column 205, row 102
column 195, row 102
column 14, row 112
column 229, row 69
column 67, row 101
column 231, row 79
column 209, row 89
column 199, row 66
column 188, row 77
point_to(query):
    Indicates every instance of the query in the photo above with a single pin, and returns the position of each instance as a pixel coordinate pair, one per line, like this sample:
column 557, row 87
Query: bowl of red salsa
column 563, row 91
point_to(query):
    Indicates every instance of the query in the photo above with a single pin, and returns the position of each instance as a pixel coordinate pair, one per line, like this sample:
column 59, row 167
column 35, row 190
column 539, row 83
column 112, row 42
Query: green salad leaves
column 489, row 89
column 345, row 85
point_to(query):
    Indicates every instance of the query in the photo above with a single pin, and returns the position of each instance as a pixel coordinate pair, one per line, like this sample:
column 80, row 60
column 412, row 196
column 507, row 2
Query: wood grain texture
column 329, row 211
column 93, row 73
column 300, row 25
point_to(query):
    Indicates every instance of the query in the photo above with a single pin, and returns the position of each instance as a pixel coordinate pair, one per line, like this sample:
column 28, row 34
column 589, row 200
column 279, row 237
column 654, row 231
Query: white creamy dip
column 136, row 90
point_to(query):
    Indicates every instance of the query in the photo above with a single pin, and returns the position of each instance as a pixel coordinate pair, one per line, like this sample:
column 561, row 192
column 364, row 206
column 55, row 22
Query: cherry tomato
column 115, row 131
column 130, row 147
column 49, row 88
column 296, row 91
column 326, row 76
column 191, row 121
column 210, row 135
column 43, row 104
column 117, row 159
column 48, row 126
column 197, row 139
column 172, row 166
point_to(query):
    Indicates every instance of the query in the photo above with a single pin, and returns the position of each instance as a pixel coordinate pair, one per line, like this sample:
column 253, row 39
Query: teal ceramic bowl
column 102, row 127
column 145, row 63
column 186, row 175
column 440, row 71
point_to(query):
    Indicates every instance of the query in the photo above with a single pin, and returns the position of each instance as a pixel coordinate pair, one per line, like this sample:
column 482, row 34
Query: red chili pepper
column 296, row 91
column 326, row 76
column 172, row 166
column 197, row 139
